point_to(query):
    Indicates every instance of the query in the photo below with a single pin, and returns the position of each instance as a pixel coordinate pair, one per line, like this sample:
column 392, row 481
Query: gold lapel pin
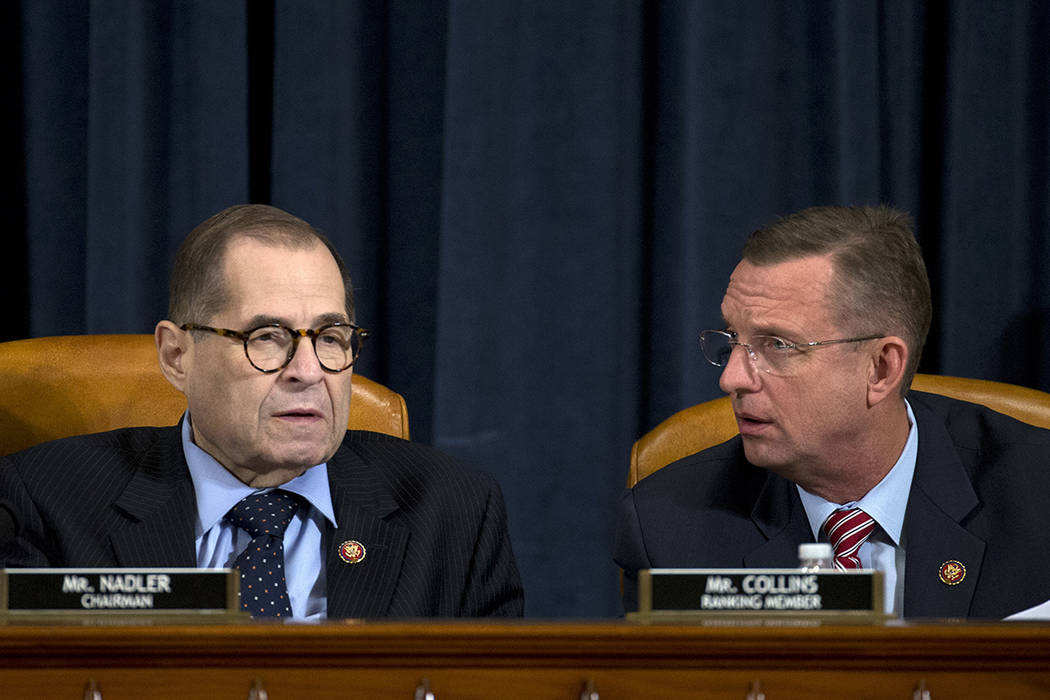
column 352, row 552
column 952, row 572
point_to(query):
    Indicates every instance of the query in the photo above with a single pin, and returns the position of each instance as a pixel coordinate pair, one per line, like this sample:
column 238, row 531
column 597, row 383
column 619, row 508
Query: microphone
column 10, row 525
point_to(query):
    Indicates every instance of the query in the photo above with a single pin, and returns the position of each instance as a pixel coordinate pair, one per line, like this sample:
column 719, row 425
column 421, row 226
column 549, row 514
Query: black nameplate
column 758, row 591
column 181, row 590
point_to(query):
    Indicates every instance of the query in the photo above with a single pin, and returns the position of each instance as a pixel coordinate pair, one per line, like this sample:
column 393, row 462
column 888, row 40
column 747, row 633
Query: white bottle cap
column 808, row 551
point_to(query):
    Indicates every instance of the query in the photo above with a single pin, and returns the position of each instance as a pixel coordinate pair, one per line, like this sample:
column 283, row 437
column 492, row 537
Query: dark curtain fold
column 540, row 202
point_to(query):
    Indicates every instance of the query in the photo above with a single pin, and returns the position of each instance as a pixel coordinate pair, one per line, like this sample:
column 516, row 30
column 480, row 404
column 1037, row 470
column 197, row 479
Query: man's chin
column 762, row 454
column 304, row 446
column 281, row 467
column 301, row 460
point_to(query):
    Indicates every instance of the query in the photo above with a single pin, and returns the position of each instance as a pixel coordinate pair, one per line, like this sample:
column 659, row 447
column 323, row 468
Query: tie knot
column 264, row 513
column 847, row 530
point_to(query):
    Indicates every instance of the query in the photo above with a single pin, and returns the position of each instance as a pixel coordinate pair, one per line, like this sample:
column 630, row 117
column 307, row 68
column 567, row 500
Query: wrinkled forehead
column 262, row 277
column 786, row 296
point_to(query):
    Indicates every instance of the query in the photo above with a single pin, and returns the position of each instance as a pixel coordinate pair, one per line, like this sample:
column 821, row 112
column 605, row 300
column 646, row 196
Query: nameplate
column 73, row 591
column 758, row 591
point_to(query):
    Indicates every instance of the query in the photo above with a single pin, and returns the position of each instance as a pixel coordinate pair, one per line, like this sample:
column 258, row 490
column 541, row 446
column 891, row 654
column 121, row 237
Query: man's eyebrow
column 332, row 317
column 322, row 320
column 777, row 331
column 265, row 320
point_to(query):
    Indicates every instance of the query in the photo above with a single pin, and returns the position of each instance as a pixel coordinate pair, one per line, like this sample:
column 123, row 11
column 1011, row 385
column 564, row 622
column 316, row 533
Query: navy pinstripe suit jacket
column 435, row 533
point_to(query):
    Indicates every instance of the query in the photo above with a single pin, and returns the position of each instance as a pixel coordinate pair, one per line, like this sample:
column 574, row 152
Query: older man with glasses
column 261, row 474
column 825, row 319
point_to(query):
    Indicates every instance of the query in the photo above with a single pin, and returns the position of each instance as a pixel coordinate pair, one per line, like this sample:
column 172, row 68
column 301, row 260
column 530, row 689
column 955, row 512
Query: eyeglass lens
column 336, row 347
column 770, row 353
column 716, row 347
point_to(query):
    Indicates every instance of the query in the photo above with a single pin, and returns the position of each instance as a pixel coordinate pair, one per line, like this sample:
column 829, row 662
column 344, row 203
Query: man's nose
column 740, row 373
column 304, row 364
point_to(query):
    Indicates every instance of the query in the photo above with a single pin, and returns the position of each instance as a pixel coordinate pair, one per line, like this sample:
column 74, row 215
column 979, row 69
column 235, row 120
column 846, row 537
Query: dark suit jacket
column 435, row 534
column 979, row 495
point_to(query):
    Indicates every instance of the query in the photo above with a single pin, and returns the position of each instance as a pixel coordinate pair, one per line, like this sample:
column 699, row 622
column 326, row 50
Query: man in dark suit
column 261, row 339
column 826, row 317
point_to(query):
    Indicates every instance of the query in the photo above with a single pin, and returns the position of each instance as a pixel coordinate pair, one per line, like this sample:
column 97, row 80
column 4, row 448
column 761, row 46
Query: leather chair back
column 70, row 385
column 707, row 424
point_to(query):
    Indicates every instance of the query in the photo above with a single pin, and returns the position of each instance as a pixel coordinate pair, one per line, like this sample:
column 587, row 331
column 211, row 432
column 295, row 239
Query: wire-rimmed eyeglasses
column 270, row 347
column 768, row 353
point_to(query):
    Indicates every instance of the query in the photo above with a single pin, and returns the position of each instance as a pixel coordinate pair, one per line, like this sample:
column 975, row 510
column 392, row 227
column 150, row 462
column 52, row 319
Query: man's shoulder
column 123, row 441
column 388, row 448
column 697, row 511
column 973, row 426
column 404, row 463
column 719, row 472
column 78, row 464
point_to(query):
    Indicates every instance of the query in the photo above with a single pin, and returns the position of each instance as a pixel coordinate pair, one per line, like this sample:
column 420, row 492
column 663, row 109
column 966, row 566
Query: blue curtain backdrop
column 540, row 201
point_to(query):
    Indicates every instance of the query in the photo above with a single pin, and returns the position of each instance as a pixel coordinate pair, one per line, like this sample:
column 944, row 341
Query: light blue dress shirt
column 886, row 503
column 218, row 542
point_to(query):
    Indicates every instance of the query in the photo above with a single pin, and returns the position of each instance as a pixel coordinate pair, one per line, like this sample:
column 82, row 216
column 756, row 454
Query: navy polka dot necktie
column 264, row 516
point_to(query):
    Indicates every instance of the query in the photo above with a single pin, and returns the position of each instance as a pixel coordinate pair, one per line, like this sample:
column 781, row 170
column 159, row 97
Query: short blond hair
column 880, row 285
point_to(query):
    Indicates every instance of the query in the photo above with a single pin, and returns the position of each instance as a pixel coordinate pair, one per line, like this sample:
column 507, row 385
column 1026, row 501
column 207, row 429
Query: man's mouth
column 750, row 424
column 299, row 414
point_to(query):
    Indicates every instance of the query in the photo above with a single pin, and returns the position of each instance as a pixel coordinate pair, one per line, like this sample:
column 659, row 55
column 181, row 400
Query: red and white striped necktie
column 847, row 530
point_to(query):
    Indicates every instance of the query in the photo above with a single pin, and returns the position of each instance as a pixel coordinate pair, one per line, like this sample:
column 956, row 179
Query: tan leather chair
column 698, row 427
column 69, row 385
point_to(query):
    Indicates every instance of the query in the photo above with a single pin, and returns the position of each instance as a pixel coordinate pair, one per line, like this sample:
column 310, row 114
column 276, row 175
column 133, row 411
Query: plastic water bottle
column 816, row 556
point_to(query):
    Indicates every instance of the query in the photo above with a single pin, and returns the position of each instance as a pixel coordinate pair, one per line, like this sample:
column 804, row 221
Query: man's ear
column 886, row 371
column 174, row 352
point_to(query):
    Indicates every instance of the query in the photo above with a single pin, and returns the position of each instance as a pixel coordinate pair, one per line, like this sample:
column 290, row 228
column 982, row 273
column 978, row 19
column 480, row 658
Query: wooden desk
column 525, row 659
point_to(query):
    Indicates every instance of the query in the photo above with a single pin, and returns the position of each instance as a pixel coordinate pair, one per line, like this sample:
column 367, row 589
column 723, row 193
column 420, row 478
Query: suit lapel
column 941, row 498
column 779, row 514
column 362, row 503
column 160, row 505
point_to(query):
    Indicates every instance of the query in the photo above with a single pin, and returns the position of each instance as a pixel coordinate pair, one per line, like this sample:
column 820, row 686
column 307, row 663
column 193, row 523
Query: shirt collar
column 886, row 502
column 217, row 490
